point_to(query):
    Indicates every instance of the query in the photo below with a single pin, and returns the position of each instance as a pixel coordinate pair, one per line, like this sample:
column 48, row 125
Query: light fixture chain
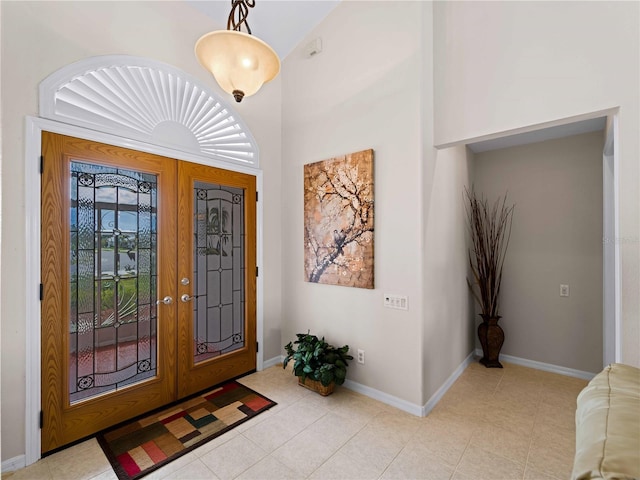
column 238, row 15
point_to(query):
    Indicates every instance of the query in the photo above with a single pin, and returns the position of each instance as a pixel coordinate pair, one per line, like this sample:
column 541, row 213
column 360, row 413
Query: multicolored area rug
column 142, row 445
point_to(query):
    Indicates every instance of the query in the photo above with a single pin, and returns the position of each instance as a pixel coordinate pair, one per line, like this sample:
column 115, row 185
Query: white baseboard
column 420, row 411
column 392, row 400
column 435, row 398
column 272, row 361
column 13, row 464
column 547, row 367
column 384, row 397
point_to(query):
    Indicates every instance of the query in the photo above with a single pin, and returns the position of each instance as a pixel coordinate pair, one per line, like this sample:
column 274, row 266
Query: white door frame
column 33, row 136
column 611, row 351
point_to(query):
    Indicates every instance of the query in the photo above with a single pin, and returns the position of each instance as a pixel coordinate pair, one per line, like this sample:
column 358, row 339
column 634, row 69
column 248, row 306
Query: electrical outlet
column 564, row 290
column 360, row 356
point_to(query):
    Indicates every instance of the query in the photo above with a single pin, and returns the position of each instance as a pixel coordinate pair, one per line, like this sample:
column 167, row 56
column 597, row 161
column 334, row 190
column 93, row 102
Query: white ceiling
column 282, row 24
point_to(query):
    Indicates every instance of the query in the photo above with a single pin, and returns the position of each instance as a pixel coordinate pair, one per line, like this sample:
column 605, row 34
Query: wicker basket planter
column 316, row 386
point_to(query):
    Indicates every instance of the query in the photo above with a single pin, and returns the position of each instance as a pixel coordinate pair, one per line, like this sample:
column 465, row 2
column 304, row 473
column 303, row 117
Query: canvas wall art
column 338, row 220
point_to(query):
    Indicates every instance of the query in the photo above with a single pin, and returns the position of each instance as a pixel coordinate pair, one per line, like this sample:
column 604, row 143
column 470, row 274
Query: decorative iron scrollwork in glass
column 219, row 270
column 113, row 278
column 85, row 382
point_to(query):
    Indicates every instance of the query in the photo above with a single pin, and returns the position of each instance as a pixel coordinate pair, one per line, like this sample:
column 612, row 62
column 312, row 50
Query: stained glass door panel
column 113, row 279
column 218, row 306
column 216, row 312
column 108, row 254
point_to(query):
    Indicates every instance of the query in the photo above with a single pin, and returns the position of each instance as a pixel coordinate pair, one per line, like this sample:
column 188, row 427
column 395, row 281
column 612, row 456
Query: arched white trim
column 149, row 101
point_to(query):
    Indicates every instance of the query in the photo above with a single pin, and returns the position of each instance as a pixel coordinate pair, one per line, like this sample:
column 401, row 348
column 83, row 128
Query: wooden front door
column 148, row 272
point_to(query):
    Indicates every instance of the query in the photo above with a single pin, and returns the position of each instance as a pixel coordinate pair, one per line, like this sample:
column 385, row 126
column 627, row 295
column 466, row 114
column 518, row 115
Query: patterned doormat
column 138, row 447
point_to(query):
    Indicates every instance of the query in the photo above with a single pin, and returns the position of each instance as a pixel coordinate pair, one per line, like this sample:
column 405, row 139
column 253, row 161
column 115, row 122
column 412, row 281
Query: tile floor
column 512, row 423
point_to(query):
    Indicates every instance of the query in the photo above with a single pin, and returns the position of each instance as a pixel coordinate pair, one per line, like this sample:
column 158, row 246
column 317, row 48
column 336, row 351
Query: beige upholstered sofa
column 608, row 426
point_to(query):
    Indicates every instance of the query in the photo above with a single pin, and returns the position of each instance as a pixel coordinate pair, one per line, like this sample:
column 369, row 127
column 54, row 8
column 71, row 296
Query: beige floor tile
column 396, row 426
column 355, row 406
column 552, row 451
column 479, row 381
column 551, row 462
column 196, row 470
column 558, row 396
column 85, row 460
column 461, row 476
column 480, row 464
column 415, row 461
column 523, row 374
column 465, row 401
column 172, row 467
column 476, row 367
column 533, row 474
column 502, row 442
column 343, row 467
column 305, row 452
column 478, row 430
column 526, row 394
column 255, row 420
column 37, row 471
column 446, row 435
column 511, row 416
column 559, row 418
column 216, row 442
column 108, row 475
column 284, row 425
column 556, row 438
column 234, row 457
column 269, row 468
column 371, row 448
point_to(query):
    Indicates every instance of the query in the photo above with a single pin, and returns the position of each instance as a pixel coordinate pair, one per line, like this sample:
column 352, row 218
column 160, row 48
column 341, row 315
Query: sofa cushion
column 608, row 426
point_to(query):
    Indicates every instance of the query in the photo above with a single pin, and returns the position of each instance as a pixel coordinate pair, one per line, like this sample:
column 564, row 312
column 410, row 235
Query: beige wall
column 371, row 88
column 508, row 65
column 448, row 335
column 556, row 239
column 363, row 91
column 38, row 38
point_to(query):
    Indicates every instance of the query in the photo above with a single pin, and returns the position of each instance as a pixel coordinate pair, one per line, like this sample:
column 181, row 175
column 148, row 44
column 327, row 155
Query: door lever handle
column 185, row 298
column 166, row 300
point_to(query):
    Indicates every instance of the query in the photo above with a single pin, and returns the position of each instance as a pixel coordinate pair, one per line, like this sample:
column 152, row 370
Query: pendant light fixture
column 239, row 62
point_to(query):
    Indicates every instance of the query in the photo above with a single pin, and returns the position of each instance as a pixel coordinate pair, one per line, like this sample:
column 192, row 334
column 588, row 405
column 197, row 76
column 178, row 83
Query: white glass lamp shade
column 239, row 62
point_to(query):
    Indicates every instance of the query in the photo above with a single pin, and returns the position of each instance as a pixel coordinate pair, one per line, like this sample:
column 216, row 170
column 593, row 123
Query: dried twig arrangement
column 490, row 230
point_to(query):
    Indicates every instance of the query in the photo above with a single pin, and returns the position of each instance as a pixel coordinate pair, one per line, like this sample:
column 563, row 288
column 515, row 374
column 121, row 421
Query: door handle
column 166, row 300
column 186, row 298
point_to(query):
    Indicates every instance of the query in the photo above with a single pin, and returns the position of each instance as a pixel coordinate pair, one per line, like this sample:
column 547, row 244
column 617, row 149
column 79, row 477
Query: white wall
column 363, row 91
column 507, row 65
column 556, row 239
column 38, row 38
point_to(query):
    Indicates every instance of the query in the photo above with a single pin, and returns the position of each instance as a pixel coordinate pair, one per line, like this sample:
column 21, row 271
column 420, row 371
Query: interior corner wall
column 39, row 38
column 506, row 65
column 556, row 238
column 448, row 335
column 363, row 91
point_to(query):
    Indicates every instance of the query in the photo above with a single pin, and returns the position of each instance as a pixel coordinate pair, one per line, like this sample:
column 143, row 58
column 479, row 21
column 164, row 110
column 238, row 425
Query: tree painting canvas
column 338, row 220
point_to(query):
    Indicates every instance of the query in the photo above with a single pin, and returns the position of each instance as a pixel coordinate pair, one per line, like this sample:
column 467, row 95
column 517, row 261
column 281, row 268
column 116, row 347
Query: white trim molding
column 150, row 101
column 546, row 367
column 13, row 464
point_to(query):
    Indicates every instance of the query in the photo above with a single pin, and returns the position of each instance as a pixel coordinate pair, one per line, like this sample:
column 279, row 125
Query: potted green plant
column 318, row 365
column 490, row 232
